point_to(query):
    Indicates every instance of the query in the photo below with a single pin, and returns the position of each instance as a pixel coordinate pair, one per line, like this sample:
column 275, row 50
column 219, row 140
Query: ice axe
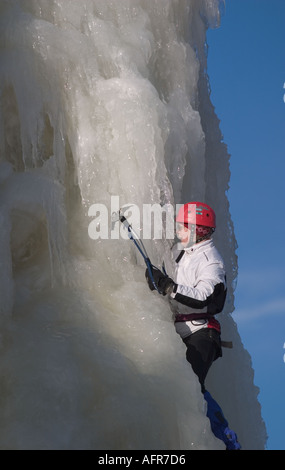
column 119, row 217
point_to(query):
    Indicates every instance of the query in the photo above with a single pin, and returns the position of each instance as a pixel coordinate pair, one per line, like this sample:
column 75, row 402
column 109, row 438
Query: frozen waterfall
column 102, row 99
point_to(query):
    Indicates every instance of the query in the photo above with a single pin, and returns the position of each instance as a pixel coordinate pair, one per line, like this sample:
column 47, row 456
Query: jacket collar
column 199, row 246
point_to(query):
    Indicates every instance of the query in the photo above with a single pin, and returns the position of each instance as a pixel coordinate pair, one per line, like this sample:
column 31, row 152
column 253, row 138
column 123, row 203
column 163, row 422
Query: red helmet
column 197, row 213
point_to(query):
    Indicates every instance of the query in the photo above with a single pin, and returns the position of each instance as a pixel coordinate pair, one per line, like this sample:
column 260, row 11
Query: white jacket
column 199, row 273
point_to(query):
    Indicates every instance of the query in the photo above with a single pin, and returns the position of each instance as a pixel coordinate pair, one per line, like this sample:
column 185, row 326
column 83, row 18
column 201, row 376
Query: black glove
column 162, row 281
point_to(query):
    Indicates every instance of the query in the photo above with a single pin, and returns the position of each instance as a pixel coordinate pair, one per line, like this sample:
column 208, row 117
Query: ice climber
column 197, row 292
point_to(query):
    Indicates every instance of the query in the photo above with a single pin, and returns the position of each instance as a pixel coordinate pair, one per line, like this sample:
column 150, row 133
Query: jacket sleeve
column 208, row 295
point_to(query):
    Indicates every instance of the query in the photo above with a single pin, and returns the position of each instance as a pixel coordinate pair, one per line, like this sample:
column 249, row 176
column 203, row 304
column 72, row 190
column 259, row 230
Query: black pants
column 203, row 348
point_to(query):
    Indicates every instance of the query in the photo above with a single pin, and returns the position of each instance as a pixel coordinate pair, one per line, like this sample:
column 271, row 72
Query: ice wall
column 105, row 98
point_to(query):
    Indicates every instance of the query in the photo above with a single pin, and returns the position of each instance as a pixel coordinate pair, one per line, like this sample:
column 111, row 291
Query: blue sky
column 246, row 66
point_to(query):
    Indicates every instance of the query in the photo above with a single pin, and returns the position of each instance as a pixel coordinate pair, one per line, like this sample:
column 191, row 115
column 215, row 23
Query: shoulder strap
column 180, row 256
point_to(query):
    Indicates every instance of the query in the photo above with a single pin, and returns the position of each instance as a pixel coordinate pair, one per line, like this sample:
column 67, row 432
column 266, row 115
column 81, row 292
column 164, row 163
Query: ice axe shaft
column 137, row 241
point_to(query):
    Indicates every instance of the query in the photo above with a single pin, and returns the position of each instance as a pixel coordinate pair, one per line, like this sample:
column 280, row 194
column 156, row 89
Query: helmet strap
column 192, row 240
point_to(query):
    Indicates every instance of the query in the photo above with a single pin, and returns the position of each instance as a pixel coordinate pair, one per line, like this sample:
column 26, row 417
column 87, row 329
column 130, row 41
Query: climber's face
column 183, row 233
